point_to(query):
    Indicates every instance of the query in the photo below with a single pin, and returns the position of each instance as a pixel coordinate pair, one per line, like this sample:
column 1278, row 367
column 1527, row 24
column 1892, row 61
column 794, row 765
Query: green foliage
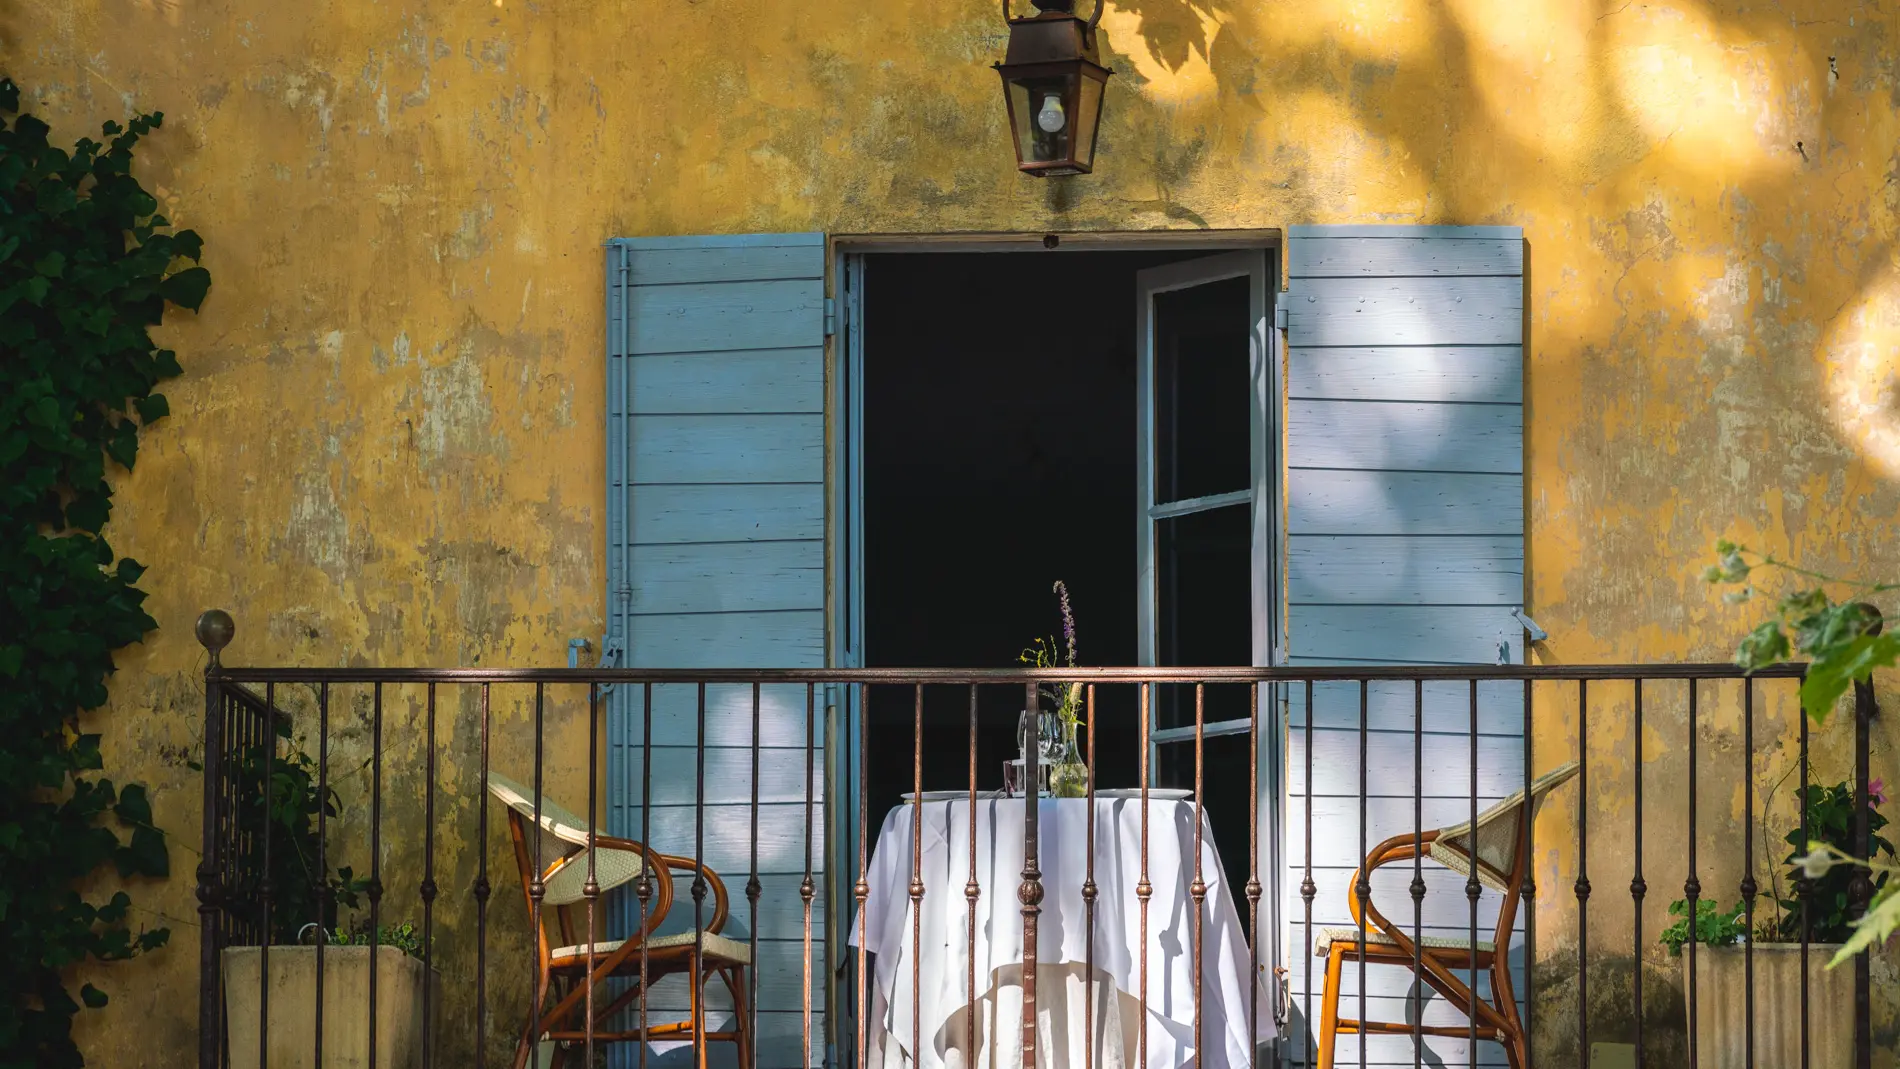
column 86, row 267
column 278, row 792
column 403, row 937
column 1831, row 812
column 1842, row 640
column 1712, row 928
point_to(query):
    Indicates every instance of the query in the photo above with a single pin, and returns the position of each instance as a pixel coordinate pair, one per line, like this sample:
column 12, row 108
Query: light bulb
column 1051, row 118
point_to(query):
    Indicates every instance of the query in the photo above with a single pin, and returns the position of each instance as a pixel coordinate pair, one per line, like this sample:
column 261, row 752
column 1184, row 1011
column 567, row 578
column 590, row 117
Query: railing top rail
column 966, row 676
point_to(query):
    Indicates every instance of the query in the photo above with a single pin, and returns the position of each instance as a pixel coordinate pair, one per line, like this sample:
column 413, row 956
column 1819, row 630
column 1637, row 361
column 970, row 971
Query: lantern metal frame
column 1055, row 44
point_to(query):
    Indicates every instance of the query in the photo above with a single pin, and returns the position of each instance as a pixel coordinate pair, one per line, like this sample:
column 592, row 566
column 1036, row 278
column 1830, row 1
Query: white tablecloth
column 1062, row 940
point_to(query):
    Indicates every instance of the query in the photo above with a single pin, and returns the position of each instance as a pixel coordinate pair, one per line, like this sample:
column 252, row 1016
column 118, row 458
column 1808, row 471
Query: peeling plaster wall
column 387, row 446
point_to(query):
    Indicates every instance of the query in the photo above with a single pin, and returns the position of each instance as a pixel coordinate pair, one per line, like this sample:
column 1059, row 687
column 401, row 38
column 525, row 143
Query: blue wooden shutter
column 716, row 559
column 1405, row 545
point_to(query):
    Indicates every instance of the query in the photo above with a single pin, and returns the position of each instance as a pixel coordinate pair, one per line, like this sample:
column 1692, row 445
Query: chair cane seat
column 1376, row 938
column 717, row 949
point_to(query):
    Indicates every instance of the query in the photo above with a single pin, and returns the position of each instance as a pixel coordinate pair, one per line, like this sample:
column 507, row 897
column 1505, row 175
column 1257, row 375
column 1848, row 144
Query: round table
column 928, row 1024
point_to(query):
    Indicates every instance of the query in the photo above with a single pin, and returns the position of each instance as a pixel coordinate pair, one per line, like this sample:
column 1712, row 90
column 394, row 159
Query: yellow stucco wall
column 387, row 445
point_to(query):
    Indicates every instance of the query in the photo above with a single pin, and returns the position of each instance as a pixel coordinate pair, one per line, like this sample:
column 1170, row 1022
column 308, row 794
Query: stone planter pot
column 1721, row 1005
column 293, row 1000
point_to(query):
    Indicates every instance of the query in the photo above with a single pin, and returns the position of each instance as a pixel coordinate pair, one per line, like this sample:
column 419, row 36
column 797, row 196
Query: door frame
column 844, row 533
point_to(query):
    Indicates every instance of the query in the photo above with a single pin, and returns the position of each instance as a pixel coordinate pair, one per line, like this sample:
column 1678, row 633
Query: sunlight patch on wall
column 1862, row 360
column 1529, row 63
column 1711, row 105
column 1173, row 67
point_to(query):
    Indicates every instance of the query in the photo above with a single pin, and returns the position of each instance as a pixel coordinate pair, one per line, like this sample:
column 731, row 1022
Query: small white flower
column 1815, row 863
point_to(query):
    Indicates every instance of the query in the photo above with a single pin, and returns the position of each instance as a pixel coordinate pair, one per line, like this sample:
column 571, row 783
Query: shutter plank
column 1404, row 503
column 1493, row 374
column 1364, row 257
column 1417, row 634
column 729, row 577
column 709, row 640
column 749, row 381
column 777, row 314
column 1406, row 311
column 1394, row 569
column 1397, row 436
column 728, row 449
column 728, row 513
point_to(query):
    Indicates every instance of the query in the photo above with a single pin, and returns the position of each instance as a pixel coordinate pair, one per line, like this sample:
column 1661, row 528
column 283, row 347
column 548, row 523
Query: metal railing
column 235, row 903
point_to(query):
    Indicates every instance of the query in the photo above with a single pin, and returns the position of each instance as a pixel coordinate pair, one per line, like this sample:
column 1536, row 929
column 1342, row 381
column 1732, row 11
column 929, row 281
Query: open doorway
column 1001, row 451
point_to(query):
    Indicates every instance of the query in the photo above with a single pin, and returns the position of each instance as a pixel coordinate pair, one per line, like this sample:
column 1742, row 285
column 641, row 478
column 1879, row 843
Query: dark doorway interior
column 999, row 457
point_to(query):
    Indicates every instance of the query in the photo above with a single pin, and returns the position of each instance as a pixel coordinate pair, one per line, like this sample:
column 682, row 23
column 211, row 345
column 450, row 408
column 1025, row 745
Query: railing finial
column 215, row 630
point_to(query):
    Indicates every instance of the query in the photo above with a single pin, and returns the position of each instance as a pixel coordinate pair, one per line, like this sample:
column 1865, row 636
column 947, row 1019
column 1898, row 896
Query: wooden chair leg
column 742, row 1010
column 532, row 1030
column 1329, row 1006
column 697, row 1004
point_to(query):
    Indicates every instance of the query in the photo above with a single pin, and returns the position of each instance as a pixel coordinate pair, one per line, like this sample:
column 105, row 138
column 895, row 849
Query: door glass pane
column 1201, row 399
column 1204, row 607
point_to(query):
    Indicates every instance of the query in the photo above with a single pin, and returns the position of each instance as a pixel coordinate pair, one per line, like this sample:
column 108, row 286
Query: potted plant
column 280, row 793
column 1061, row 712
column 1722, row 960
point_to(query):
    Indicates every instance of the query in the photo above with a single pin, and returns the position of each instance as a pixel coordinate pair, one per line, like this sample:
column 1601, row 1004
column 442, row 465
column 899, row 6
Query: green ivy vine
column 86, row 267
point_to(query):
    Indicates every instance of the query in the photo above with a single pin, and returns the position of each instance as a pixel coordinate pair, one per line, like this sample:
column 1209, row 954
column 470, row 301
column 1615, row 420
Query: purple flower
column 1068, row 621
column 1877, row 792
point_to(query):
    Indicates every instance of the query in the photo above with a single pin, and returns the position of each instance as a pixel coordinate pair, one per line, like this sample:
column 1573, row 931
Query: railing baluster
column 1143, row 889
column 213, row 633
column 1088, row 899
column 862, row 890
column 590, row 890
column 1472, row 888
column 1748, row 872
column 1030, row 893
column 427, row 889
column 700, row 1045
column 1804, row 888
column 972, row 889
column 1529, row 890
column 1307, row 888
column 1253, row 862
column 752, row 891
column 482, row 891
column 1638, row 888
column 1418, row 872
column 1197, row 890
column 1692, row 887
column 325, row 894
column 917, row 871
column 644, row 889
column 537, row 889
column 1582, row 886
column 1362, row 889
column 807, row 889
column 375, row 890
column 1860, row 887
column 264, row 886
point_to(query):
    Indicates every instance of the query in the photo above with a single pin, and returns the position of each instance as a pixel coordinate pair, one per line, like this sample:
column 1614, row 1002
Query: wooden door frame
column 844, row 534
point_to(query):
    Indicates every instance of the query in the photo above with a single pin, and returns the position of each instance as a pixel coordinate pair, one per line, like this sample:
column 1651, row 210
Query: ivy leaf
column 11, row 660
column 188, row 244
column 1764, row 646
column 134, row 806
column 1831, row 674
column 145, row 855
column 152, row 408
column 1877, row 926
column 93, row 997
column 52, row 265
column 187, row 288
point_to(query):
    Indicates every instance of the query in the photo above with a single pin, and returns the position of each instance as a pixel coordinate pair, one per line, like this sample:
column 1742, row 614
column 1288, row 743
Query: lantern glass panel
column 1044, row 113
column 1088, row 116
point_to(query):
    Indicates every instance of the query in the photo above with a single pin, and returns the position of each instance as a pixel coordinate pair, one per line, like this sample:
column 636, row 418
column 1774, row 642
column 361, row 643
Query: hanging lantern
column 1052, row 83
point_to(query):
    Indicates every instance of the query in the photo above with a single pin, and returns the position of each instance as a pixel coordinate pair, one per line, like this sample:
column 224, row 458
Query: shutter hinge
column 1279, row 316
column 831, row 316
column 1537, row 634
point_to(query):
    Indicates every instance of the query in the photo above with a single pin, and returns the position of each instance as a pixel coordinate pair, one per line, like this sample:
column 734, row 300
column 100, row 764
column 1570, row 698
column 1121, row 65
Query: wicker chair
column 564, row 975
column 1444, row 963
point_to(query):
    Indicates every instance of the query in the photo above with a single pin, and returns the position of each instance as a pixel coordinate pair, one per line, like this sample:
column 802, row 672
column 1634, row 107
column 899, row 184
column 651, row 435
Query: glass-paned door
column 1206, row 514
